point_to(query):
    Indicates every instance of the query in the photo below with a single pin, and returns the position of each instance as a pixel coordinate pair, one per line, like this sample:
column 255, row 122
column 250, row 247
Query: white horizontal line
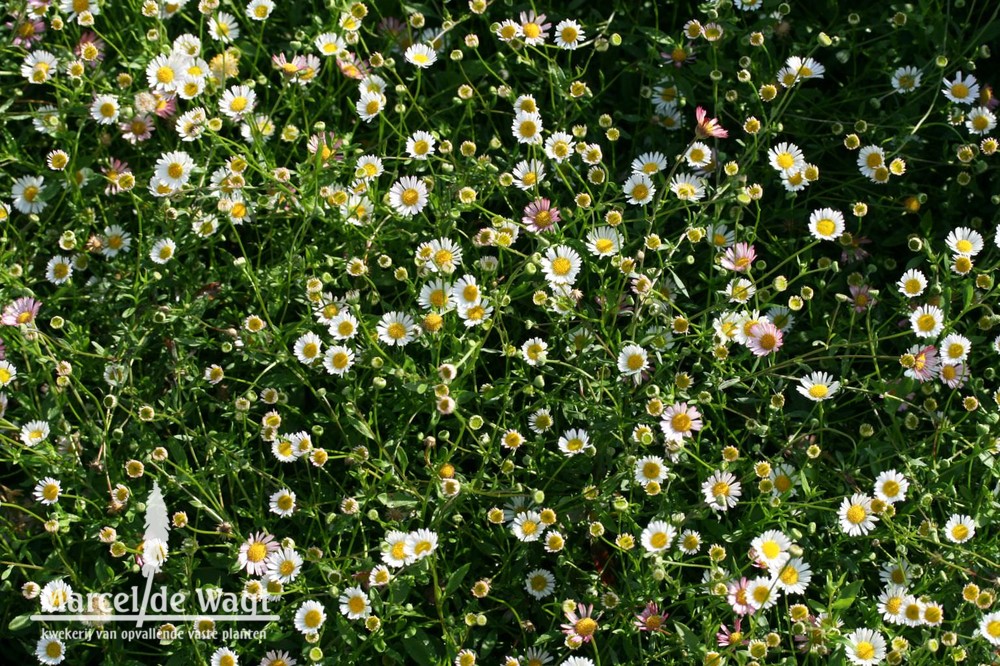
column 99, row 619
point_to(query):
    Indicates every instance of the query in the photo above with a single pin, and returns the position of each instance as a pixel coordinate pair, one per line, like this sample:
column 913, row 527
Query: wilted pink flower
column 352, row 67
column 327, row 145
column 726, row 638
column 854, row 251
column 739, row 257
column 541, row 215
column 861, row 298
column 708, row 126
column 113, row 173
column 651, row 619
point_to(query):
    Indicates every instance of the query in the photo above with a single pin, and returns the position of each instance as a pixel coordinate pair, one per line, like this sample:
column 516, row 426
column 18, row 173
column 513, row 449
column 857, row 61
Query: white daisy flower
column 959, row 528
column 855, row 515
column 658, row 536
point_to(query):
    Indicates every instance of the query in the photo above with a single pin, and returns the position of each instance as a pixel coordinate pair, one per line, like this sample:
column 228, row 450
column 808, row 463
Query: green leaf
column 20, row 623
column 361, row 427
column 455, row 579
column 420, row 649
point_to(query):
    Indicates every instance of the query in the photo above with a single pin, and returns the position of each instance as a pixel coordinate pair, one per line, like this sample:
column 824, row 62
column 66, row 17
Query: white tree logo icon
column 154, row 545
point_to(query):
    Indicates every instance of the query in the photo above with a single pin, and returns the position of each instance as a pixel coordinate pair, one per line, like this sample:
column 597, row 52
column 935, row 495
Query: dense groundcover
column 499, row 332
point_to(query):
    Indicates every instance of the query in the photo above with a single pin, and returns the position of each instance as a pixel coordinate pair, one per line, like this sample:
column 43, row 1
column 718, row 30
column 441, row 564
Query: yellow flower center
column 959, row 90
column 785, row 160
column 585, row 627
column 604, row 245
column 529, row 527
column 409, row 197
column 720, row 489
column 770, row 549
column 864, row 650
column 340, row 360
column 651, row 470
column 108, row 109
column 959, row 532
column 569, row 34
column 658, row 540
column 421, row 147
column 768, row 341
column 50, row 492
column 422, row 547
column 874, row 160
column 53, row 649
column 30, row 192
column 561, row 266
column 926, row 323
column 312, row 618
column 761, row 593
column 826, row 227
column 396, row 331
column 356, row 604
column 818, row 391
column 856, row 514
column 640, row 192
column 574, row 444
column 372, row 107
column 890, row 488
column 529, row 178
column 256, row 552
column 175, row 170
column 993, row 628
column 635, row 362
column 238, row 104
column 531, row 30
column 681, row 422
column 789, row 575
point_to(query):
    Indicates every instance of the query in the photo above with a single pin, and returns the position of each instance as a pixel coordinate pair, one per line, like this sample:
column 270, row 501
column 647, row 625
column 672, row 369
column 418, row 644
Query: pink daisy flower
column 765, row 338
column 926, row 364
column 953, row 376
column 255, row 551
column 139, row 129
column 166, row 107
column 26, row 31
column 738, row 599
column 739, row 257
column 20, row 312
column 680, row 421
column 86, row 39
column 540, row 215
column 708, row 126
column 582, row 624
